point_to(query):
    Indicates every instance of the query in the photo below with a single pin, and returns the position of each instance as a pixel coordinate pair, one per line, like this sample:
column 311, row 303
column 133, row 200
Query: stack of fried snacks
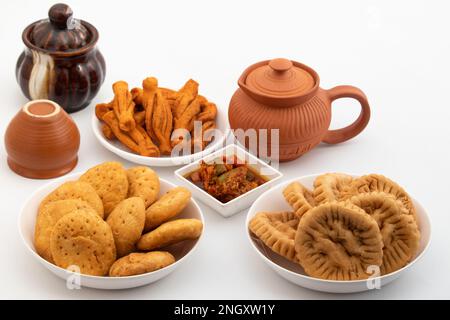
column 113, row 221
column 344, row 227
column 147, row 120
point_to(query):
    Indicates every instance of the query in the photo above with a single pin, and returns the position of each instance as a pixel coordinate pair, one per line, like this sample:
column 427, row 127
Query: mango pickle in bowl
column 228, row 180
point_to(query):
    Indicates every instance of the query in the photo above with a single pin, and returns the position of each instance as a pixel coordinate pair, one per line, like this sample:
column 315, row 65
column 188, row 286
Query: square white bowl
column 243, row 201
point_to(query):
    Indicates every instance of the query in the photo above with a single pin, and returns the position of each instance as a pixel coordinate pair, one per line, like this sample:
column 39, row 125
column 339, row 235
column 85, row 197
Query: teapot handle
column 352, row 130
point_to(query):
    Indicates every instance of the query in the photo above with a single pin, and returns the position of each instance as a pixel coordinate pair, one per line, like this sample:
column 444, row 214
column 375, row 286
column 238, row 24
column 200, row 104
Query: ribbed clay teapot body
column 61, row 61
column 285, row 95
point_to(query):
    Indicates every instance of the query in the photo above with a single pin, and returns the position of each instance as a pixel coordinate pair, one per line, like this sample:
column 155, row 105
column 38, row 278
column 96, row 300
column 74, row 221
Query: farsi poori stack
column 97, row 223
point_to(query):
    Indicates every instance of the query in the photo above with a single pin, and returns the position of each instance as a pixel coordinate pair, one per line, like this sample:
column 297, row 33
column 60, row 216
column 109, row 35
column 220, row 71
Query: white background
column 397, row 52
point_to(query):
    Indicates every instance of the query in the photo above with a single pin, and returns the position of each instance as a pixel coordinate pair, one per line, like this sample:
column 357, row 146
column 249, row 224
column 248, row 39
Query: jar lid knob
column 280, row 64
column 59, row 15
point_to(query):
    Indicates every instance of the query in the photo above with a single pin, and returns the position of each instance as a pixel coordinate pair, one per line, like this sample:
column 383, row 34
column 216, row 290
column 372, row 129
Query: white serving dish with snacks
column 181, row 251
column 273, row 200
column 164, row 161
column 243, row 201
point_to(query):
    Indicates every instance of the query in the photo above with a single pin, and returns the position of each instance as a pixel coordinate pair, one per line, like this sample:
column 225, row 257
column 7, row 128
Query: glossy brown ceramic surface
column 285, row 95
column 42, row 141
column 61, row 61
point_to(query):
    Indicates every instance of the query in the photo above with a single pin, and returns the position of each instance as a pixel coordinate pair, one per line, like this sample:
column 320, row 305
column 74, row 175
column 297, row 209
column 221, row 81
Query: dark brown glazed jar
column 285, row 95
column 61, row 61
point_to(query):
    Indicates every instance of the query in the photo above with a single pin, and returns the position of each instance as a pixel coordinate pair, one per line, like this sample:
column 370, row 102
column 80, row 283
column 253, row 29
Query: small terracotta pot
column 42, row 141
column 285, row 95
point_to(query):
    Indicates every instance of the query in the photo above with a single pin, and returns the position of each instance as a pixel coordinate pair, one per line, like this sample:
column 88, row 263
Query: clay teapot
column 61, row 61
column 285, row 95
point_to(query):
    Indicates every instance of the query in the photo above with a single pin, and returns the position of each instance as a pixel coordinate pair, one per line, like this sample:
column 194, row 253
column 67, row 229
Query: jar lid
column 280, row 78
column 61, row 32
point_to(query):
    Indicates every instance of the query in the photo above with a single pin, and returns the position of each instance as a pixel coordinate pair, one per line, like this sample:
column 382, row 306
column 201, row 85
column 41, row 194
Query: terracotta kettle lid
column 280, row 78
column 60, row 32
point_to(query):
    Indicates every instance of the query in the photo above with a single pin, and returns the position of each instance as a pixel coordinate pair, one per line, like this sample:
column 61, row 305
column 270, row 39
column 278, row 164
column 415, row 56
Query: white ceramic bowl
column 182, row 251
column 163, row 161
column 242, row 202
column 273, row 200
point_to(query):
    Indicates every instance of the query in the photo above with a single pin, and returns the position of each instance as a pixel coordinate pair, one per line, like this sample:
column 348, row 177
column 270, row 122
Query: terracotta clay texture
column 285, row 95
column 42, row 141
column 61, row 61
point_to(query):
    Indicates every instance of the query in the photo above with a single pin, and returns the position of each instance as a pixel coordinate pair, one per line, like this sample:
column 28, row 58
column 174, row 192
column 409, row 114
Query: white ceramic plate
column 163, row 161
column 182, row 251
column 243, row 201
column 273, row 200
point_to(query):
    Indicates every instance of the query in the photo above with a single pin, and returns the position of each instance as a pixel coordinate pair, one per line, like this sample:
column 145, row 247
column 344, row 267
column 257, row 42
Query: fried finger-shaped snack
column 171, row 104
column 146, row 146
column 169, row 94
column 123, row 106
column 167, row 207
column 102, row 108
column 338, row 241
column 277, row 231
column 136, row 95
column 150, row 86
column 201, row 140
column 76, row 190
column 185, row 96
column 127, row 223
column 186, row 119
column 139, row 263
column 139, row 118
column 144, row 183
column 110, row 181
column 162, row 123
column 208, row 111
column 83, row 239
column 169, row 233
column 110, row 119
column 107, row 132
column 135, row 139
column 331, row 187
column 399, row 231
column 380, row 183
column 47, row 218
column 171, row 97
column 299, row 198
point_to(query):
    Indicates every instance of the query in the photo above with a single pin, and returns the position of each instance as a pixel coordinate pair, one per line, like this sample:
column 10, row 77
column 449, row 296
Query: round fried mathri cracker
column 399, row 231
column 338, row 241
column 84, row 240
column 110, row 181
column 46, row 219
column 380, row 183
column 299, row 198
column 144, row 183
column 168, row 206
column 139, row 263
column 75, row 190
column 328, row 187
column 127, row 223
column 169, row 233
column 277, row 231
